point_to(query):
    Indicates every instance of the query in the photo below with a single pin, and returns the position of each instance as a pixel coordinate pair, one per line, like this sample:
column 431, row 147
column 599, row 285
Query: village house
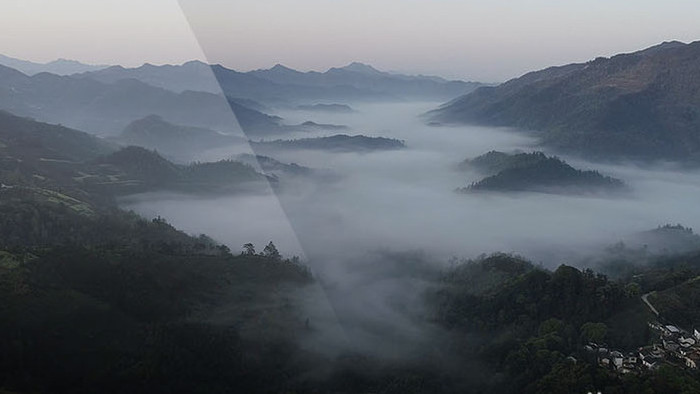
column 677, row 347
column 692, row 359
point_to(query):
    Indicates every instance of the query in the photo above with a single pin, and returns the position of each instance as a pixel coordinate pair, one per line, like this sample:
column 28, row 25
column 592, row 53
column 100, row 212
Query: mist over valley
column 405, row 199
column 193, row 228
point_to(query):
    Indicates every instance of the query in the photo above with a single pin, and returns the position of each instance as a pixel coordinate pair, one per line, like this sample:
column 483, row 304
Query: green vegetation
column 681, row 302
column 72, row 167
column 536, row 172
column 534, row 324
column 641, row 105
column 121, row 304
column 313, row 126
column 30, row 140
column 153, row 132
column 106, row 108
column 333, row 108
column 339, row 142
column 95, row 299
column 134, row 169
column 135, row 305
column 275, row 167
column 493, row 162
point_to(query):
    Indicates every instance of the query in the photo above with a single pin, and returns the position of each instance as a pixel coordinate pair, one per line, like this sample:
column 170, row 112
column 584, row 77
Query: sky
column 487, row 41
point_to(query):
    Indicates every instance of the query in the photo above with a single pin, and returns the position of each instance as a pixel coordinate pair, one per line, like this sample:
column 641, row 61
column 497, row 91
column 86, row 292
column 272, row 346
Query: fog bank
column 404, row 199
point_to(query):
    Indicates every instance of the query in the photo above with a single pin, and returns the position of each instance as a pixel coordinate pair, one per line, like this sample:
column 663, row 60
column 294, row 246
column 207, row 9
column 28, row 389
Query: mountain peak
column 282, row 68
column 663, row 46
column 195, row 64
column 59, row 66
column 361, row 68
column 63, row 61
column 574, row 113
column 6, row 72
column 73, row 63
column 151, row 119
column 671, row 44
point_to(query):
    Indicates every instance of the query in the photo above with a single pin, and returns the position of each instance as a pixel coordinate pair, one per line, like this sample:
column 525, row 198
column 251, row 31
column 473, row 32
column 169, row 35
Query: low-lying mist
column 386, row 203
column 404, row 199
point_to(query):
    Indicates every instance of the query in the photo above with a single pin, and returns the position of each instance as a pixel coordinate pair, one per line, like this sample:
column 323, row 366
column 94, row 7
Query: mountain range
column 107, row 108
column 107, row 100
column 280, row 84
column 174, row 141
column 643, row 105
column 38, row 155
column 58, row 67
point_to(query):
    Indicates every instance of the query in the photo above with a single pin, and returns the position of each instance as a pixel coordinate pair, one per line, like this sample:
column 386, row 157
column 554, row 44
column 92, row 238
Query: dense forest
column 535, row 172
column 172, row 140
column 641, row 105
column 45, row 157
column 112, row 302
column 98, row 299
column 117, row 303
column 338, row 143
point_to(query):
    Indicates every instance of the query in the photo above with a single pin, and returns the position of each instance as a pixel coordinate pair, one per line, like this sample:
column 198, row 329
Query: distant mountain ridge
column 193, row 75
column 149, row 171
column 24, row 140
column 642, row 105
column 106, row 108
column 171, row 140
column 58, row 67
column 40, row 155
column 355, row 81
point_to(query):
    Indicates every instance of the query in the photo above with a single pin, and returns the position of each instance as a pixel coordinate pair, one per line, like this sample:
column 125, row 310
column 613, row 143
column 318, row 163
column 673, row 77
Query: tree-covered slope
column 133, row 169
column 46, row 159
column 32, row 140
column 338, row 142
column 115, row 303
column 107, row 108
column 95, row 299
column 154, row 132
column 641, row 105
column 536, row 172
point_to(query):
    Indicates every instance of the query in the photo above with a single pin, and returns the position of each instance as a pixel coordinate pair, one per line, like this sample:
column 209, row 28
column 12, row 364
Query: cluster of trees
column 32, row 222
column 536, row 172
column 533, row 324
column 338, row 142
column 650, row 118
column 95, row 299
column 138, row 169
column 270, row 251
column 111, row 302
column 128, row 308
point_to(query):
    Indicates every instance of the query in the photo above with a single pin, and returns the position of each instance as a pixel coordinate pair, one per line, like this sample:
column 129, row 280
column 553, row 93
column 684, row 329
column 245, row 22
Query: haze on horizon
column 471, row 40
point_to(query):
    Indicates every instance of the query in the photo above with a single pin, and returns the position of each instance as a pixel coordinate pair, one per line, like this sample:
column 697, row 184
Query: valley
column 193, row 228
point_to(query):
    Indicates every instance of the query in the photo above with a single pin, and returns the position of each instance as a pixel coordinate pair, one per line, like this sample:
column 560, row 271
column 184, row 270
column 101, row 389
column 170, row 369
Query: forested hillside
column 641, row 105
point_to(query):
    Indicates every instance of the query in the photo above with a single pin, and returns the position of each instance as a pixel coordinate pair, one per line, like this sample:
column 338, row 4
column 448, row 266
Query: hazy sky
column 479, row 40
